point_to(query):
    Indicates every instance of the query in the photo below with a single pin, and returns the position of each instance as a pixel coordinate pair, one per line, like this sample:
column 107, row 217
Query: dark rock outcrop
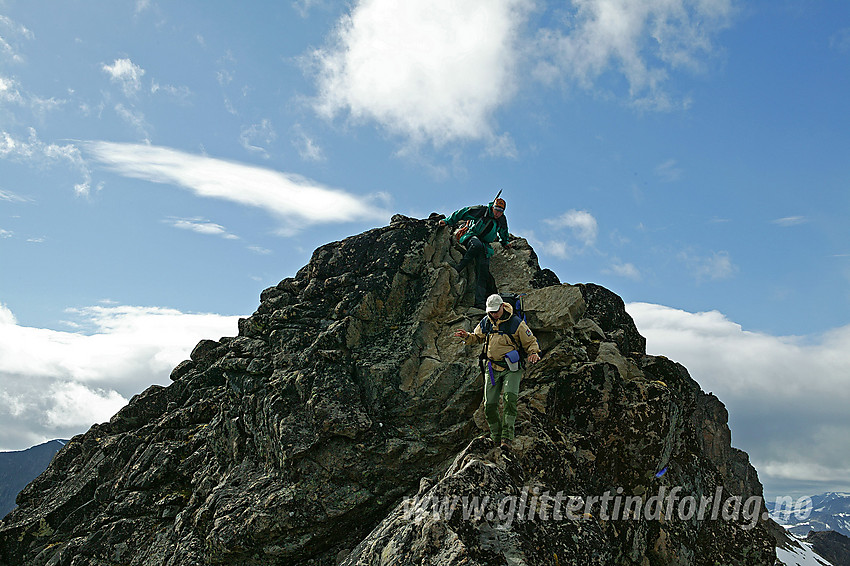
column 298, row 441
column 833, row 546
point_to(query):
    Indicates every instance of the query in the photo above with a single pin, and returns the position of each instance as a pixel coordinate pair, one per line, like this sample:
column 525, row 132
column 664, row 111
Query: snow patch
column 804, row 556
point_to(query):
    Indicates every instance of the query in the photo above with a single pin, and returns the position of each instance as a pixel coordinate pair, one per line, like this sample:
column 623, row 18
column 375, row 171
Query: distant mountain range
column 831, row 512
column 19, row 468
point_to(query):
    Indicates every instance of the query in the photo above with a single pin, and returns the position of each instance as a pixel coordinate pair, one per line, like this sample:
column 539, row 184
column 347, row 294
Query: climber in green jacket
column 483, row 226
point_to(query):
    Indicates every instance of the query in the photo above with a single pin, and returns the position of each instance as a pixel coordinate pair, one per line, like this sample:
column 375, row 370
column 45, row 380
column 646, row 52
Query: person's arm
column 475, row 337
column 503, row 233
column 527, row 339
column 457, row 216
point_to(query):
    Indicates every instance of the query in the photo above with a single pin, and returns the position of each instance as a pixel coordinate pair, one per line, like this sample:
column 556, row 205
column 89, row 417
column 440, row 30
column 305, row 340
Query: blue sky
column 161, row 163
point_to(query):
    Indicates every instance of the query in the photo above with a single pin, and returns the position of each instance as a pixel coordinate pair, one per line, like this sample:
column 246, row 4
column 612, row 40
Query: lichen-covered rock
column 297, row 441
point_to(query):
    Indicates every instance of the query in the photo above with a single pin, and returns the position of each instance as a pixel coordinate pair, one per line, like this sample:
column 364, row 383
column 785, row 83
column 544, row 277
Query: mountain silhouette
column 332, row 428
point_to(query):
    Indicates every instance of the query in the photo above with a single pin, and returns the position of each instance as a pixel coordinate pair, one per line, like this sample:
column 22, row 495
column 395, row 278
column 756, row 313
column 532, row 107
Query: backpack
column 480, row 226
column 515, row 300
column 462, row 228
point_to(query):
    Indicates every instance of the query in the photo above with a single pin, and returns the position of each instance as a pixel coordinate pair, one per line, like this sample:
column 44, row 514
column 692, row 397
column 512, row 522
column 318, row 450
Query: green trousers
column 507, row 383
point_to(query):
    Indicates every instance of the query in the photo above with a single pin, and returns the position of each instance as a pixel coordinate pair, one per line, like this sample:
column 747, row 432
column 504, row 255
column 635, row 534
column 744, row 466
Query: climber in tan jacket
column 506, row 338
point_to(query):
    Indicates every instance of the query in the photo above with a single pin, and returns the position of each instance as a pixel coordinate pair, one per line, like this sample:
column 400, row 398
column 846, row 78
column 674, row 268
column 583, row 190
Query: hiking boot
column 481, row 443
column 506, row 444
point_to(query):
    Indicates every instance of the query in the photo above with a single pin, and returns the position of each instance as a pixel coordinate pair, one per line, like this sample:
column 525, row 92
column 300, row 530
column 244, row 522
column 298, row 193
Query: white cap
column 494, row 302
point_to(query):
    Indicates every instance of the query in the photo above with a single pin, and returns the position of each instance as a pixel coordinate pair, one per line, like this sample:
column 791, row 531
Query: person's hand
column 533, row 358
column 460, row 333
column 443, row 223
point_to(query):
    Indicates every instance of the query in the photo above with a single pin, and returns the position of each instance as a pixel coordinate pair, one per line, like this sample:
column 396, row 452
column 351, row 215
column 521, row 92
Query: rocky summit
column 344, row 425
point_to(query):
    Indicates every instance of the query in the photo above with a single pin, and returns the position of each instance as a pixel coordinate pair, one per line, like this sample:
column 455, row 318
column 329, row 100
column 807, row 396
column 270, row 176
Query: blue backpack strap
column 513, row 325
column 486, row 325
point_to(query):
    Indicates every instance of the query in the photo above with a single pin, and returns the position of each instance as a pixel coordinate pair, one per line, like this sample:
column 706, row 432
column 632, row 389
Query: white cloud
column 581, row 222
column 12, row 31
column 295, row 200
column 36, row 152
column 8, row 50
column 127, row 344
column 787, row 396
column 438, row 71
column 714, row 267
column 303, row 7
column 73, row 404
column 502, row 146
column 127, row 74
column 9, row 91
column 142, row 5
column 555, row 248
column 669, row 171
column 134, row 118
column 627, row 270
column 427, row 70
column 41, row 106
column 202, row 226
column 790, row 221
column 6, row 234
column 225, row 75
column 54, row 384
column 307, row 147
column 641, row 41
column 9, row 196
column 181, row 93
column 252, row 136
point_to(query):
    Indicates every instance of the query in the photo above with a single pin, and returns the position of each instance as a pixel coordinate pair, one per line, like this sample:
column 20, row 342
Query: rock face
column 301, row 440
column 833, row 546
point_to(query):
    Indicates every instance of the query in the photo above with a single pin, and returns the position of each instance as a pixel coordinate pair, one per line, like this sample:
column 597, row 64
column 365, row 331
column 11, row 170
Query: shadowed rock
column 833, row 546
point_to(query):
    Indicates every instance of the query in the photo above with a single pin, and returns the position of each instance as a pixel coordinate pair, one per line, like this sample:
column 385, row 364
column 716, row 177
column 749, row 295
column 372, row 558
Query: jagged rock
column 554, row 308
column 514, row 269
column 544, row 278
column 297, row 441
column 609, row 312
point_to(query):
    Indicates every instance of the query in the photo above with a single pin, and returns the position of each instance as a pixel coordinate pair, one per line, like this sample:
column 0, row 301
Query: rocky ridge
column 833, row 546
column 298, row 441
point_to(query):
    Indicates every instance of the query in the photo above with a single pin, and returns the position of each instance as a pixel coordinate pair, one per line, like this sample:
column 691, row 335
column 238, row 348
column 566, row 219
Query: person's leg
column 511, row 393
column 474, row 248
column 482, row 276
column 491, row 405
